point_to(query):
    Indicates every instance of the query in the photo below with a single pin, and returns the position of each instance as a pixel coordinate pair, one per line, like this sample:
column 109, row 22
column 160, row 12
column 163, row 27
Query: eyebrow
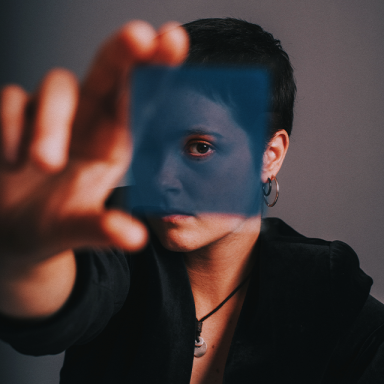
column 201, row 131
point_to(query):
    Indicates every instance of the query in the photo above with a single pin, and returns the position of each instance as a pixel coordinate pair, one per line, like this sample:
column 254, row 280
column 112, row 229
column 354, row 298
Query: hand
column 65, row 147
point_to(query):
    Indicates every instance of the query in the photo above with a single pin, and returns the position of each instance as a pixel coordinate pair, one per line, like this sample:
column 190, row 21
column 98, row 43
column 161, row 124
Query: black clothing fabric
column 307, row 318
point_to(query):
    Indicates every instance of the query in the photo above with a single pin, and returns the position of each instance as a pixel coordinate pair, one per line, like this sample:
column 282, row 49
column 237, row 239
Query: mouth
column 169, row 215
column 163, row 213
column 174, row 218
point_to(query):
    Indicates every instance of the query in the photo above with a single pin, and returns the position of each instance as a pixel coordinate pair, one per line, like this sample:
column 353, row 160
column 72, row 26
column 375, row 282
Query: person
column 213, row 297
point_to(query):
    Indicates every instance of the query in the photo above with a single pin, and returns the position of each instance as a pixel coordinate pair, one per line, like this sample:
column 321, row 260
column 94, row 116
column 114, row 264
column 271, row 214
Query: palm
column 53, row 205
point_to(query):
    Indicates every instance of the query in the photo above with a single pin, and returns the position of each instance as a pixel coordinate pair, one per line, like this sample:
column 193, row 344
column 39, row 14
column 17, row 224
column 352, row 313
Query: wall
column 332, row 178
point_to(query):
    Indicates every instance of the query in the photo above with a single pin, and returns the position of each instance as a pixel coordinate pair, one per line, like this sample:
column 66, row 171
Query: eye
column 199, row 149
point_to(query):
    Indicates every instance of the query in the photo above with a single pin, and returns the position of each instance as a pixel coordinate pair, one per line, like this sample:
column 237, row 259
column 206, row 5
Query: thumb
column 122, row 230
column 108, row 228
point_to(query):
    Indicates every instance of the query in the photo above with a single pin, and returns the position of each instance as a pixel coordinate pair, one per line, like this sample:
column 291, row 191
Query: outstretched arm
column 62, row 150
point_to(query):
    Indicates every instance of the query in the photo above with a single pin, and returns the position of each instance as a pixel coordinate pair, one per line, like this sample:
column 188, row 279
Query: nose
column 168, row 174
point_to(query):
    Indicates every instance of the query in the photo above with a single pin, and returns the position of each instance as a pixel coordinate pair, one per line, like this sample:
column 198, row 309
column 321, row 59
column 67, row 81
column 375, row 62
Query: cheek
column 227, row 185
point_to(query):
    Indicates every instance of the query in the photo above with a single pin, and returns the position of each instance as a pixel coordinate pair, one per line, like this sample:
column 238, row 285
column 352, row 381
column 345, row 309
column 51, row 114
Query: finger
column 106, row 86
column 110, row 228
column 56, row 105
column 173, row 44
column 13, row 102
column 134, row 43
column 124, row 231
column 101, row 124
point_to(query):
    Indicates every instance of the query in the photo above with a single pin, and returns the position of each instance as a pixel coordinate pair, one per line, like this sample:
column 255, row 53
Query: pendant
column 200, row 347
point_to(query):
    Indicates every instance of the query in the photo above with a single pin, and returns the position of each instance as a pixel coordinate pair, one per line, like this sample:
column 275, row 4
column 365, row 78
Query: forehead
column 174, row 103
column 185, row 111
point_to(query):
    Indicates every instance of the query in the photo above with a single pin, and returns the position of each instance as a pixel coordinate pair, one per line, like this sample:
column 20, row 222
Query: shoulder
column 279, row 235
column 326, row 270
column 369, row 325
column 359, row 355
column 282, row 238
column 328, row 273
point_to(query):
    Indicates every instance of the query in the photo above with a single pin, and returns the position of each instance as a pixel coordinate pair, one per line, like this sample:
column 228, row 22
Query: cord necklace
column 200, row 344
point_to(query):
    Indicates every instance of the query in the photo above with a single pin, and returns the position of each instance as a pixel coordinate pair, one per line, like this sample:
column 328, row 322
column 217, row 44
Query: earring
column 269, row 187
column 269, row 191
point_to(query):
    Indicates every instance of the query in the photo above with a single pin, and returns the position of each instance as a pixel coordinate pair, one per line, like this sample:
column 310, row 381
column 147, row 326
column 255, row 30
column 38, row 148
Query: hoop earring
column 269, row 187
column 269, row 191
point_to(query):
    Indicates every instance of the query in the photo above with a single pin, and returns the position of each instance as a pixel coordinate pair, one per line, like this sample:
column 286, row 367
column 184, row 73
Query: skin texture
column 194, row 157
column 219, row 264
column 219, row 248
column 219, row 252
column 62, row 149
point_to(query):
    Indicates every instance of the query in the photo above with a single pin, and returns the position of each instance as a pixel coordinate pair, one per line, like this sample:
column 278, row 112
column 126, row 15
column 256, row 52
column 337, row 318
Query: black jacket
column 307, row 318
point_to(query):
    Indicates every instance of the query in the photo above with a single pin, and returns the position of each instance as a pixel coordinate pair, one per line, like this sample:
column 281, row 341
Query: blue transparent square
column 199, row 135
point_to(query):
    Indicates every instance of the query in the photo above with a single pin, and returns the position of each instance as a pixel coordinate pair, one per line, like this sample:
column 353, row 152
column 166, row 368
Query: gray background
column 331, row 182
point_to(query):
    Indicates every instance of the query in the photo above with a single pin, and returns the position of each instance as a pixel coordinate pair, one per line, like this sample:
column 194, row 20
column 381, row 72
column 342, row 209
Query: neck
column 217, row 269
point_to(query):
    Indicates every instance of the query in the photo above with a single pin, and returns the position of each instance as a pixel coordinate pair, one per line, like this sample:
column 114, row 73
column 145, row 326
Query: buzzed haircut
column 235, row 42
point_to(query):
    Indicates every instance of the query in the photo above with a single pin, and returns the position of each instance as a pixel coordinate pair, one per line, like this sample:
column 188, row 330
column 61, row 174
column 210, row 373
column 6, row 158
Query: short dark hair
column 237, row 42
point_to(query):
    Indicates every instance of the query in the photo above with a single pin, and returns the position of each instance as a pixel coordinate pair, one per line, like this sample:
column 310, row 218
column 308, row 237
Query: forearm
column 38, row 291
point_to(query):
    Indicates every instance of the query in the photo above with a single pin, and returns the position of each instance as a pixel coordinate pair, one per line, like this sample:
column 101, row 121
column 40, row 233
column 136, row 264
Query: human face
column 196, row 173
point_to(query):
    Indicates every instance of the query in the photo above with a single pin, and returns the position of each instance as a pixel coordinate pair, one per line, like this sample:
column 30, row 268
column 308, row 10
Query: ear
column 274, row 155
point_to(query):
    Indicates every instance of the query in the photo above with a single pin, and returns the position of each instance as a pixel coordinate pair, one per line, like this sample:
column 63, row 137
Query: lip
column 164, row 214
column 174, row 218
column 173, row 215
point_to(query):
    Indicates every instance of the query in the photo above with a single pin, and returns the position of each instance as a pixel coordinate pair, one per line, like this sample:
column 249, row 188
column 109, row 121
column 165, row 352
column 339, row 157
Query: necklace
column 200, row 344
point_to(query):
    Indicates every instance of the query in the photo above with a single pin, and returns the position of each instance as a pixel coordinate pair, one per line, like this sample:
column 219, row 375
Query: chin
column 188, row 233
column 178, row 234
column 178, row 242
